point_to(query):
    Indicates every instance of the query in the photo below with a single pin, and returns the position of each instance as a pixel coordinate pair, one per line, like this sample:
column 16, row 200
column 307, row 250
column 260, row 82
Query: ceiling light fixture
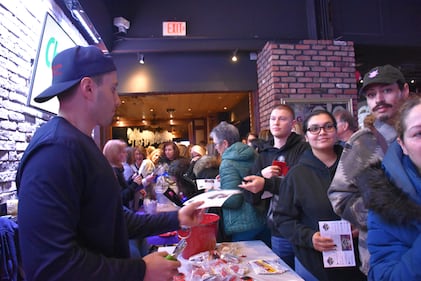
column 234, row 56
column 79, row 14
column 141, row 58
column 171, row 112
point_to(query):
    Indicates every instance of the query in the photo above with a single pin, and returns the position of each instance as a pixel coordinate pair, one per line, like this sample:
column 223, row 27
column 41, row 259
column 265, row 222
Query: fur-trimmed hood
column 206, row 162
column 385, row 198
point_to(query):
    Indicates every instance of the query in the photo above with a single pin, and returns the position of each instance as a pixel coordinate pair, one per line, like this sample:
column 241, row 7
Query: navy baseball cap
column 71, row 65
column 385, row 74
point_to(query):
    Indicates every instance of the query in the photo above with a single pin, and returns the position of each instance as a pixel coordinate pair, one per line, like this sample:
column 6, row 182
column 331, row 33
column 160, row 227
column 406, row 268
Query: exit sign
column 174, row 28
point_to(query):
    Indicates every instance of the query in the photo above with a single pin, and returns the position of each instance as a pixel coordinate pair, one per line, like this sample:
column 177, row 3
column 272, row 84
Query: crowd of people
column 291, row 175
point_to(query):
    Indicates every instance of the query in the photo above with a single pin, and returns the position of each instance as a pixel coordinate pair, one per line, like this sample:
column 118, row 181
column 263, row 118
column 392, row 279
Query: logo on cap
column 373, row 74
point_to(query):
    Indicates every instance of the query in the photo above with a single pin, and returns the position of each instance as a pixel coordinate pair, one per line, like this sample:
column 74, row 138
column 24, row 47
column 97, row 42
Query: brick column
column 310, row 69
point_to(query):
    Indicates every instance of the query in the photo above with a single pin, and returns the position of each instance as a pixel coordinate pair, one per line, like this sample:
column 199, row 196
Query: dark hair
column 252, row 134
column 175, row 148
column 404, row 110
column 178, row 167
column 315, row 113
column 346, row 116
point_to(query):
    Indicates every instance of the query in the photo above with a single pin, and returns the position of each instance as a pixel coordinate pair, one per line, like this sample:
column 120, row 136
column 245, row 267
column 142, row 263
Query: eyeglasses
column 315, row 129
column 218, row 143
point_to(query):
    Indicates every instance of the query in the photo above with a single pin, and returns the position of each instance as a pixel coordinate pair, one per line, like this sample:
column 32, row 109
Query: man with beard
column 385, row 89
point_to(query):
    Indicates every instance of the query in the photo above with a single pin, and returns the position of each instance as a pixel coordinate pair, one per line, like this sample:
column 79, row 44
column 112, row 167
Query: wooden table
column 250, row 250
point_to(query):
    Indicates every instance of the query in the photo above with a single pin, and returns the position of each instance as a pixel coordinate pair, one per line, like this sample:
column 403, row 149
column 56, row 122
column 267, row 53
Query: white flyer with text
column 340, row 232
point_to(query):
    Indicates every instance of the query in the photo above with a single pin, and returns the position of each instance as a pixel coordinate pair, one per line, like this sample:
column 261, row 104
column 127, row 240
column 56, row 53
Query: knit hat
column 385, row 74
column 71, row 65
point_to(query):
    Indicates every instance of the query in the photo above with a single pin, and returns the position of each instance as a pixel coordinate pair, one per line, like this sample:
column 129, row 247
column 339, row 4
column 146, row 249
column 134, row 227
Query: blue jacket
column 239, row 215
column 10, row 264
column 394, row 219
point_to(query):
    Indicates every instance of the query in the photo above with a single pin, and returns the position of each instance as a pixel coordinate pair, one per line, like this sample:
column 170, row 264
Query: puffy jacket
column 239, row 215
column 392, row 194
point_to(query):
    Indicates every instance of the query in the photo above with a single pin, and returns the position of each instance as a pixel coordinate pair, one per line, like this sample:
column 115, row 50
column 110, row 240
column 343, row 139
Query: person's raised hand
column 148, row 179
column 190, row 215
column 271, row 171
column 158, row 268
column 138, row 179
column 321, row 243
column 253, row 184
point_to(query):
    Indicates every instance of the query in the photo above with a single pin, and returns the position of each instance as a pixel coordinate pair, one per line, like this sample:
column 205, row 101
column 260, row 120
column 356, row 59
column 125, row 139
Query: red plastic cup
column 282, row 165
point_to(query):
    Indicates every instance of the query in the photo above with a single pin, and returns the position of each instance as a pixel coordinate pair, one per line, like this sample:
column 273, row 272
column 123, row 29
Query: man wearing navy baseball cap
column 384, row 88
column 72, row 225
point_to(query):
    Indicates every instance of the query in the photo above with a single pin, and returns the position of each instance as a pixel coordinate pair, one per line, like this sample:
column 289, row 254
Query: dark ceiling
column 383, row 31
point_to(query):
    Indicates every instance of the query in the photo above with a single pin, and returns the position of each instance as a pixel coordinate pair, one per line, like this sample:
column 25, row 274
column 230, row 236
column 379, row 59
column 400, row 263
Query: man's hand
column 271, row 171
column 158, row 268
column 190, row 215
column 253, row 184
column 321, row 243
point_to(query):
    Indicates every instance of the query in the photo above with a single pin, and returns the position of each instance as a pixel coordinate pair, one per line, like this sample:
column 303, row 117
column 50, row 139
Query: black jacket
column 303, row 203
column 292, row 150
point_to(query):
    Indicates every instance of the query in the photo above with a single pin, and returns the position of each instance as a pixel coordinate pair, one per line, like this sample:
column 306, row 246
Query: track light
column 234, row 56
column 141, row 58
column 79, row 14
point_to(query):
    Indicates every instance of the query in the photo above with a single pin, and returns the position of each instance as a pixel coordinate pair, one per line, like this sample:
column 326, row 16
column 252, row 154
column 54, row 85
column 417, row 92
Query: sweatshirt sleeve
column 143, row 225
column 287, row 217
column 51, row 235
column 344, row 194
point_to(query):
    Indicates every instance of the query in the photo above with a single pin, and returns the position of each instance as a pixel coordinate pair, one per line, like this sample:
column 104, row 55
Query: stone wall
column 20, row 29
column 308, row 70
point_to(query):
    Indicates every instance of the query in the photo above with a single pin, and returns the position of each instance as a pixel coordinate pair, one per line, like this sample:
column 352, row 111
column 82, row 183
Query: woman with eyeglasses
column 303, row 201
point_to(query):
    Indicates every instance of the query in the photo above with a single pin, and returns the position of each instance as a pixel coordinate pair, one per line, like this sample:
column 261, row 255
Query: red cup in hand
column 282, row 165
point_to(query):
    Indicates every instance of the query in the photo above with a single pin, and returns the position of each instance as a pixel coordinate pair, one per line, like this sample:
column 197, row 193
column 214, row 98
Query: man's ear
column 405, row 90
column 346, row 126
column 87, row 85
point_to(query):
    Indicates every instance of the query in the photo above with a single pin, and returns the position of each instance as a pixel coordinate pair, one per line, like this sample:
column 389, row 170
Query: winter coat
column 303, row 202
column 207, row 167
column 292, row 150
column 393, row 196
column 239, row 215
column 345, row 195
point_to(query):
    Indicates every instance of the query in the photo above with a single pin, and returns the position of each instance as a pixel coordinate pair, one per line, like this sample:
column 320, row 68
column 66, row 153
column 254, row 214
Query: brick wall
column 20, row 30
column 308, row 70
